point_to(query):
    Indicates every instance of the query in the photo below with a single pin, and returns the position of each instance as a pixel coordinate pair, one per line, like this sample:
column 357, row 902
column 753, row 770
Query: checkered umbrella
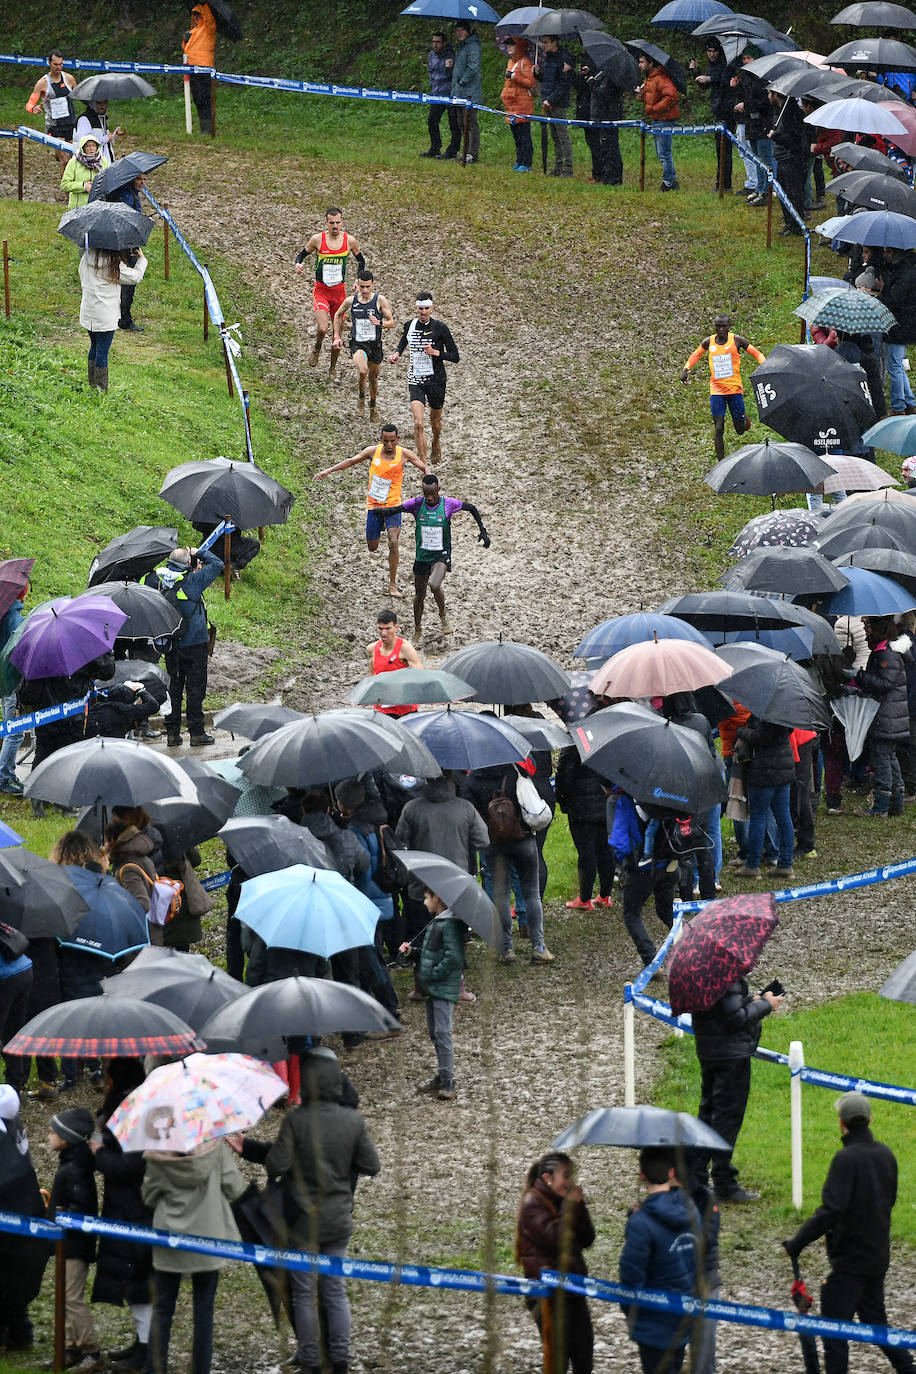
column 104, row 1028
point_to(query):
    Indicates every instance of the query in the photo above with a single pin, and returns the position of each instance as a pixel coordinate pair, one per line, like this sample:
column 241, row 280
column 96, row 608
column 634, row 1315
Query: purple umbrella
column 66, row 634
column 14, row 575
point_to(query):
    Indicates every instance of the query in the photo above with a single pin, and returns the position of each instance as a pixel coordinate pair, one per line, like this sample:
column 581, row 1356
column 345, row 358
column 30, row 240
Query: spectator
column 79, row 970
column 185, row 928
column 116, row 711
column 82, row 169
column 364, row 819
column 658, row 94
column 649, row 866
column 242, row 547
column 511, row 842
column 555, row 73
column 439, row 64
column 9, row 623
column 95, row 119
column 766, row 750
column 884, row 677
column 752, row 107
column 199, row 48
column 102, row 275
column 606, row 105
column 466, row 83
column 183, row 581
column 897, row 286
column 73, row 1190
column 582, row 797
column 22, row 1257
column 129, row 195
column 718, row 81
column 518, row 102
column 15, row 995
column 40, row 693
column 439, row 976
column 789, row 135
column 130, row 849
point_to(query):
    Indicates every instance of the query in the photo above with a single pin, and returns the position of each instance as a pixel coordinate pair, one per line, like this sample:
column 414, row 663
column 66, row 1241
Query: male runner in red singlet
column 389, row 653
column 331, row 247
column 726, row 390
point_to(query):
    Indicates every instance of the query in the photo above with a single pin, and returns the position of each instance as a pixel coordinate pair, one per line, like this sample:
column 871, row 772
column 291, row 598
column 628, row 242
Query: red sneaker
column 603, row 901
column 577, row 904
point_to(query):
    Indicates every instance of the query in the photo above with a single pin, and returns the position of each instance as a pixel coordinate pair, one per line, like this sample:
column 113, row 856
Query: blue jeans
column 885, row 768
column 515, row 886
column 901, row 391
column 663, row 140
column 524, row 855
column 99, row 345
column 203, row 1289
column 760, row 801
column 762, row 148
column 10, row 744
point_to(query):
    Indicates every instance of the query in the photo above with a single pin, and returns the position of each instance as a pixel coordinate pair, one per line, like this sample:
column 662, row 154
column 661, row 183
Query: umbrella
column 863, row 159
column 609, row 55
column 112, row 86
column 218, row 489
column 115, row 923
column 412, row 757
column 856, row 116
column 261, row 1018
column 64, row 635
column 793, row 572
column 726, row 610
column 106, row 224
column 185, row 823
column 149, row 675
column 319, row 749
column 477, row 11
column 181, row 1106
column 637, row 1128
column 540, row 734
column 874, row 55
column 227, row 26
column 721, row 944
column 657, row 668
column 775, row 65
column 133, row 554
column 505, row 673
column 768, row 469
column 871, row 534
column 796, row 643
column 104, row 1028
column 855, row 474
column 773, row 687
column 410, row 687
column 687, row 14
column 743, row 25
column 653, row 760
column 874, row 228
column 460, row 891
column 879, row 14
column 622, row 630
column 895, row 434
column 813, row 81
column 562, row 23
column 906, row 142
column 892, row 562
column 809, row 395
column 38, row 897
column 874, row 191
column 9, row 839
column 514, row 24
column 193, row 994
column 869, row 593
column 466, row 740
column 253, row 719
column 311, row 909
column 266, row 844
column 901, row 985
column 148, row 614
column 787, row 528
column 659, row 56
column 897, row 516
column 116, row 772
column 122, row 171
column 579, row 701
column 855, row 713
column 824, row 641
column 850, row 311
column 14, row 576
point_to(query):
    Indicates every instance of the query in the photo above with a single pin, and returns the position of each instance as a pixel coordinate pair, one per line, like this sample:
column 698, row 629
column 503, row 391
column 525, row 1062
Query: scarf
column 92, row 164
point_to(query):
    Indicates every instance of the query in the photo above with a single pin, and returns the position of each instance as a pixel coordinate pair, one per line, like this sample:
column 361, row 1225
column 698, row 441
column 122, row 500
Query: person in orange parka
column 659, row 95
column 199, row 48
column 518, row 102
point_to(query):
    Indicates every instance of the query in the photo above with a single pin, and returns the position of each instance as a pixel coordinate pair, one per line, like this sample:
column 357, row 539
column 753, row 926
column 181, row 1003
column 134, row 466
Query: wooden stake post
column 20, row 170
column 6, row 279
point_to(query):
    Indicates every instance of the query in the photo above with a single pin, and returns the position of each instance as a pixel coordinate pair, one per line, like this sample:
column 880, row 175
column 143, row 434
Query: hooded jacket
column 579, row 790
column 772, row 762
column 132, row 850
column 899, row 295
column 730, row 1028
column 659, row 96
column 74, row 1190
column 442, row 958
column 659, row 1251
column 516, row 94
column 76, row 175
column 442, row 823
column 550, row 1232
column 191, row 1194
column 200, row 45
column 884, row 677
column 185, row 590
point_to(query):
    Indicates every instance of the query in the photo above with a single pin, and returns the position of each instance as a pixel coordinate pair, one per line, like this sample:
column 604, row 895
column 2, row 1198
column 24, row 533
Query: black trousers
column 14, row 1012
column 433, row 120
column 127, row 303
column 790, row 173
column 641, row 884
column 572, row 1321
column 844, row 1296
column 802, row 812
column 724, row 1088
column 187, row 670
column 610, row 161
column 593, row 856
column 200, row 94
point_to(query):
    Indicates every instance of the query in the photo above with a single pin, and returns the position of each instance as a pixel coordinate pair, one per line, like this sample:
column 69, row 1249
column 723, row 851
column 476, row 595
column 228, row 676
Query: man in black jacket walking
column 855, row 1216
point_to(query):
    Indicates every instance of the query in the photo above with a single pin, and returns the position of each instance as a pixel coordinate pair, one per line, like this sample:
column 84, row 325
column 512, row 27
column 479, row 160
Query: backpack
column 503, row 821
column 685, row 836
column 164, row 896
column 388, row 874
column 535, row 812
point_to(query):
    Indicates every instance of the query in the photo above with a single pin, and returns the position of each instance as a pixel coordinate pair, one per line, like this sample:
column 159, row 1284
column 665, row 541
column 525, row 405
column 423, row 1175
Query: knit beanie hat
column 74, row 1124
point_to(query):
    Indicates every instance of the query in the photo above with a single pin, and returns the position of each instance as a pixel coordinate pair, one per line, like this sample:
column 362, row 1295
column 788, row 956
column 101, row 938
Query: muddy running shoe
column 446, row 627
column 431, row 1087
column 541, row 955
column 507, row 956
column 447, row 1090
column 602, row 901
column 373, row 413
column 313, row 358
column 577, row 904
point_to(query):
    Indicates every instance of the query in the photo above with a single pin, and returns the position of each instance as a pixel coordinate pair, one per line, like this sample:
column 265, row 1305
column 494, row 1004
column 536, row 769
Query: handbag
column 535, row 812
column 13, row 944
column 736, row 807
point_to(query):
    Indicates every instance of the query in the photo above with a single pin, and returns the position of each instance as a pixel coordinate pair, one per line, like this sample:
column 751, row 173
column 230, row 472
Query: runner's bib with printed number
column 433, row 532
column 365, row 331
column 330, row 263
column 379, row 487
column 59, row 109
column 724, row 367
column 431, row 538
column 421, row 364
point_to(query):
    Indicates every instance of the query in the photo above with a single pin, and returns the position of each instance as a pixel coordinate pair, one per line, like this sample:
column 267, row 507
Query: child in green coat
column 439, row 978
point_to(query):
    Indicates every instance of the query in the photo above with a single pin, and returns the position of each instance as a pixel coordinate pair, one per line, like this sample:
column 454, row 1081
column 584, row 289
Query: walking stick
column 642, row 159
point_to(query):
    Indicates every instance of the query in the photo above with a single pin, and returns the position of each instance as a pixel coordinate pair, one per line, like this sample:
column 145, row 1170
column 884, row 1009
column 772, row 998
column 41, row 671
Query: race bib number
column 422, row 364
column 59, row 108
column 431, row 538
column 723, row 366
column 332, row 273
column 365, row 331
column 379, row 488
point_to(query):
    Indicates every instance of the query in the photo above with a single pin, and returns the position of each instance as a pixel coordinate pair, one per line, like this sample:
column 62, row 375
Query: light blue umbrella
column 8, row 837
column 476, row 11
column 896, row 434
column 873, row 229
column 312, row 909
column 795, row 642
column 869, row 593
column 621, row 631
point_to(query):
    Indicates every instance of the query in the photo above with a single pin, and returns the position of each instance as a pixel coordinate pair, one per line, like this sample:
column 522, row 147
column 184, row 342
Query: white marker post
column 189, row 127
column 796, row 1063
column 629, row 1053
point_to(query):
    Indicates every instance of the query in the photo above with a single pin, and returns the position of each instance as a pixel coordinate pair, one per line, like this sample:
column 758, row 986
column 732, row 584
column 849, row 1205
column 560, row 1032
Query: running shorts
column 329, row 298
column 372, row 350
column 377, row 520
column 428, row 393
column 734, row 402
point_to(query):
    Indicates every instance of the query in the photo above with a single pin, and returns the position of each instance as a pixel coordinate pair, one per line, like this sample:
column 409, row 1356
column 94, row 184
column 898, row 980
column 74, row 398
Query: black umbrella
column 727, row 610
column 812, row 82
column 891, row 562
column 191, row 994
column 149, row 675
column 264, row 844
column 319, row 750
column 874, row 55
column 774, row 65
column 809, row 395
column 459, row 889
column 878, row 14
column 133, row 554
column 768, row 469
column 637, row 1128
column 663, row 59
column 218, row 489
column 862, row 159
column 739, row 25
column 505, row 673
column 609, row 55
column 823, row 640
column 412, row 755
column 122, row 171
column 897, row 516
column 793, row 572
column 254, row 719
column 148, row 613
column 106, row 1028
column 38, row 897
column 116, row 772
column 871, row 536
column 540, row 734
column 773, row 687
column 227, row 26
column 106, row 224
column 562, row 24
column 875, row 191
column 185, row 823
column 112, row 86
column 259, row 1021
column 654, row 761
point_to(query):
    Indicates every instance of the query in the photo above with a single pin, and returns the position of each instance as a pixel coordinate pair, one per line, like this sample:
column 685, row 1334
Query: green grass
column 862, row 1035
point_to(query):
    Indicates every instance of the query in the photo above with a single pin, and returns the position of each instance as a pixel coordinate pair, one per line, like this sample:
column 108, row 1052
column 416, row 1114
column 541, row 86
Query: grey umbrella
column 193, row 995
column 772, row 687
column 410, row 687
column 264, row 844
column 106, row 1027
column 541, row 734
column 875, row 191
column 149, row 615
column 460, row 891
column 768, row 469
column 122, row 171
column 37, row 896
column 184, row 823
column 791, row 571
column 412, row 757
column 728, row 610
column 636, row 1128
column 132, row 554
column 892, row 562
column 219, row 489
column 112, row 86
column 259, row 1021
column 874, row 55
column 505, row 673
column 252, row 720
column 880, row 14
column 901, row 985
column 116, row 772
column 611, row 56
column 862, row 159
column 653, row 760
column 562, row 23
column 855, row 713
column 319, row 750
column 139, row 670
column 106, row 225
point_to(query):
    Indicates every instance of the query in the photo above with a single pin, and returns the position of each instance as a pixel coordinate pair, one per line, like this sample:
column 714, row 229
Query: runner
column 331, row 247
column 386, row 476
column 389, row 653
column 725, row 386
column 433, row 515
column 431, row 347
column 369, row 314
column 52, row 93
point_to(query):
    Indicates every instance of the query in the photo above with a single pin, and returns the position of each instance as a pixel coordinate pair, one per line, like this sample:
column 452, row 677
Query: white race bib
column 365, row 331
column 379, row 488
column 332, row 273
column 421, row 364
column 59, row 107
column 723, row 366
column 431, row 538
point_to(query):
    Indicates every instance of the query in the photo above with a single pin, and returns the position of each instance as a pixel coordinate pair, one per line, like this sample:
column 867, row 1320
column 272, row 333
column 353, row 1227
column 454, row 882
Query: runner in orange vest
column 389, row 653
column 386, row 477
column 332, row 247
column 726, row 390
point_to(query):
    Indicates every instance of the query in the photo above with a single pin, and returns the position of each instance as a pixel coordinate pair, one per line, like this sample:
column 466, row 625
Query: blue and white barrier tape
column 216, row 881
column 867, row 878
column 15, row 1224
column 44, row 716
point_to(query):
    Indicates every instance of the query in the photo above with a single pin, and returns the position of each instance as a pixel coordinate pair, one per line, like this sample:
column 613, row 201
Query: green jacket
column 442, row 958
column 191, row 1194
column 75, row 175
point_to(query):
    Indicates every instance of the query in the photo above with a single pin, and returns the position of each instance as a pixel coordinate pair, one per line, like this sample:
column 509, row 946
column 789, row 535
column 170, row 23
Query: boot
column 101, row 378
column 133, row 1358
column 432, row 1086
column 90, row 369
column 879, row 807
column 896, row 804
column 447, row 1089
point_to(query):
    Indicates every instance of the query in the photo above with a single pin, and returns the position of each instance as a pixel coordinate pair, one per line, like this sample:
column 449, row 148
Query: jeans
column 885, row 770
column 594, row 856
column 524, row 854
column 336, row 1307
column 515, row 888
column 760, row 801
column 750, row 170
column 10, row 745
column 203, row 1288
column 524, row 148
column 439, row 1024
column 99, row 346
column 663, row 140
column 901, row 391
column 762, row 148
column 844, row 1296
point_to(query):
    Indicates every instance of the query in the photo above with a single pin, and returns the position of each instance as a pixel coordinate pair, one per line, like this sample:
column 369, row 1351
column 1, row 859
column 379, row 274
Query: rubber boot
column 101, row 378
column 896, row 804
column 90, row 370
column 136, row 1359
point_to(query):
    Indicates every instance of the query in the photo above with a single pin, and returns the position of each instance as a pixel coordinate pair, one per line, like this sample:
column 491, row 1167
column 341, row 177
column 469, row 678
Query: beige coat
column 100, row 307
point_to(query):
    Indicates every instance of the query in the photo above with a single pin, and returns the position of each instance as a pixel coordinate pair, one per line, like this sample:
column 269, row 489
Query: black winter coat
column 81, row 973
column 52, row 691
column 73, row 1190
column 856, row 1202
column 578, row 789
column 899, row 295
column 884, row 677
column 123, row 1268
column 730, row 1029
column 772, row 763
column 757, row 113
column 721, row 92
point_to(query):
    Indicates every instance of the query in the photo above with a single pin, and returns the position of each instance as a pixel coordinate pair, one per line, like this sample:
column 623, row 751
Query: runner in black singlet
column 369, row 314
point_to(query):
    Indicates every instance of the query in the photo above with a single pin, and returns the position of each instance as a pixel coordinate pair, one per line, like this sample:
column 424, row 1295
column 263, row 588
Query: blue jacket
column 10, row 622
column 366, row 881
column 556, row 83
column 191, row 587
column 466, row 79
column 440, row 76
column 659, row 1251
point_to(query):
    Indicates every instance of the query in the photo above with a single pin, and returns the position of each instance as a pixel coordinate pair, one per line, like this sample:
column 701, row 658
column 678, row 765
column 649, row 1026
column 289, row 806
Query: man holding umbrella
column 183, row 581
column 466, row 82
column 199, row 48
column 658, row 94
column 555, row 73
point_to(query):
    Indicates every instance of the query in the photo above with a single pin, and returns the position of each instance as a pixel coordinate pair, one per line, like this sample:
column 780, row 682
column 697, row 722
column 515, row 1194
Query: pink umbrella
column 856, row 474
column 658, row 668
column 907, row 116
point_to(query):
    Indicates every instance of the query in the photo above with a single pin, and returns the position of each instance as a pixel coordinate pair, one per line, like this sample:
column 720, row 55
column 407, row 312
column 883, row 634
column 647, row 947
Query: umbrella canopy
column 505, row 673
column 874, row 191
column 266, row 844
column 465, row 740
column 104, row 1027
column 579, row 701
column 658, row 55
column 855, row 474
column 638, row 1128
column 64, row 635
column 37, row 896
column 871, row 534
column 654, row 761
column 898, row 516
column 410, row 687
column 227, row 26
column 878, row 14
column 253, row 719
column 262, row 1018
column 768, row 469
column 460, row 891
column 869, row 593
column 115, row 923
column 901, row 985
column 112, row 86
column 562, row 23
column 895, row 434
column 115, row 772
column 150, row 675
column 773, row 688
column 615, row 634
column 540, row 734
column 813, row 81
column 105, row 224
column 875, row 229
column 853, row 312
column 477, row 11
column 796, row 643
column 894, row 105
column 856, row 116
column 310, row 909
column 122, row 171
column 514, row 24
column 792, row 572
column 193, row 994
column 786, row 528
column 14, row 576
column 219, row 489
column 891, row 562
column 658, row 668
column 319, row 749
column 776, row 64
column 185, row 823
column 611, row 56
column 687, row 14
column 809, row 395
column 412, row 757
column 147, row 613
column 863, row 159
column 875, row 55
column 180, row 1107
column 130, row 556
column 727, row 610
column 743, row 25
column 9, row 838
column 721, row 944
column 855, row 713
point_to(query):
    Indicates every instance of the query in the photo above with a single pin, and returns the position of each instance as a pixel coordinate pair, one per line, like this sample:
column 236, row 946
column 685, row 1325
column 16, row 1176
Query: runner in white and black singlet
column 431, row 346
column 52, row 92
column 369, row 314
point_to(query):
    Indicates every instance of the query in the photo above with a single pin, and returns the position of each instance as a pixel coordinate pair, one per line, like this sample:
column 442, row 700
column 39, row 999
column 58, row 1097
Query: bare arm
column 347, row 463
column 387, row 316
column 409, row 655
column 339, row 321
column 411, row 457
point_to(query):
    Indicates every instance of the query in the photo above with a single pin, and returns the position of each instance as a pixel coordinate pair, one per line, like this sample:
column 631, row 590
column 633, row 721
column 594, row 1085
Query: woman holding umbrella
column 103, row 273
